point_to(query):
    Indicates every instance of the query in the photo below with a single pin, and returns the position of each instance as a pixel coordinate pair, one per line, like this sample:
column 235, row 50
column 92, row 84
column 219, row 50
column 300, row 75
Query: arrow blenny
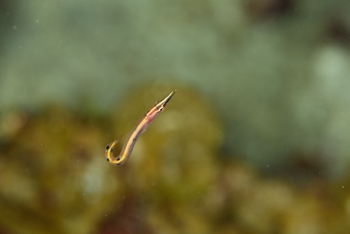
column 140, row 127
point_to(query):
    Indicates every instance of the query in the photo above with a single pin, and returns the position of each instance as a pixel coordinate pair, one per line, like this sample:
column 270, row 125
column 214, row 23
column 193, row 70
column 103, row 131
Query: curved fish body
column 140, row 127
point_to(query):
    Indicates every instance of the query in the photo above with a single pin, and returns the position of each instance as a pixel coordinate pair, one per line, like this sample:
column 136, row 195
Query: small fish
column 140, row 127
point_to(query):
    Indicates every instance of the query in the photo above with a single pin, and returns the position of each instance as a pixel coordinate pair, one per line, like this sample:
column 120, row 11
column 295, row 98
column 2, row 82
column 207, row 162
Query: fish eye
column 107, row 147
column 118, row 158
column 161, row 108
column 107, row 159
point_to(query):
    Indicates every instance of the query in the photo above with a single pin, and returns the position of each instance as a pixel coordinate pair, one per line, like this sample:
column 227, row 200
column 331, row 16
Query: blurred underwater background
column 256, row 139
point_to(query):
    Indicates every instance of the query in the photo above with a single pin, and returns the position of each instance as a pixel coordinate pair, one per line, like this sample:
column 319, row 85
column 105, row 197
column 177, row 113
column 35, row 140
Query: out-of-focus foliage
column 55, row 179
column 52, row 178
